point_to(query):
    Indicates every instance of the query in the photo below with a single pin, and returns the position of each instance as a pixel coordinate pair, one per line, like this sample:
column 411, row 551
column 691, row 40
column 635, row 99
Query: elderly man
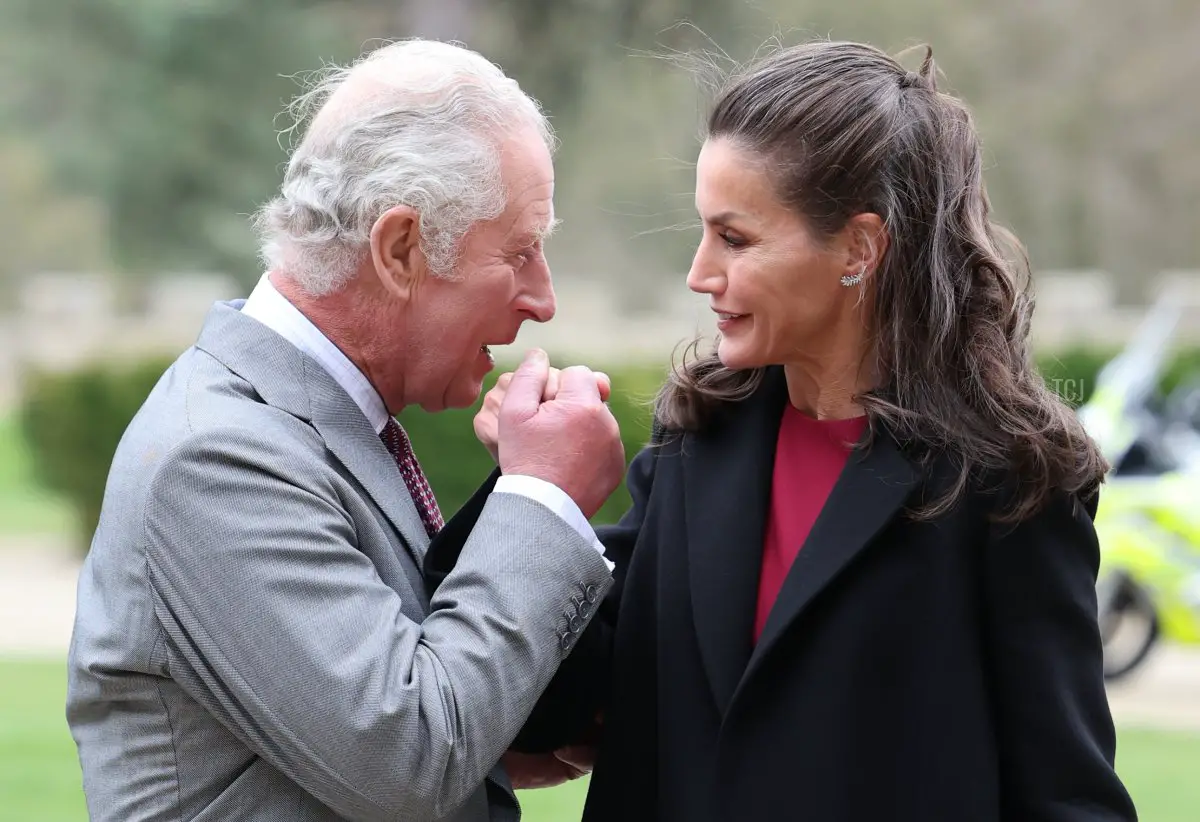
column 255, row 639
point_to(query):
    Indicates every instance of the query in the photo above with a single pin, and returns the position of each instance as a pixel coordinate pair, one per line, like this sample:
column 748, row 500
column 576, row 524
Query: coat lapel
column 727, row 481
column 870, row 491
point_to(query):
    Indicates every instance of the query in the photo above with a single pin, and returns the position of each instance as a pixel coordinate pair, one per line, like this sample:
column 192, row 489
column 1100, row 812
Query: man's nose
column 538, row 299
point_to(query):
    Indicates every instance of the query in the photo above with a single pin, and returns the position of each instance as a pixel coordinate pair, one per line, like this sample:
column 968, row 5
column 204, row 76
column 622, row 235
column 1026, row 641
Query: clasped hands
column 487, row 420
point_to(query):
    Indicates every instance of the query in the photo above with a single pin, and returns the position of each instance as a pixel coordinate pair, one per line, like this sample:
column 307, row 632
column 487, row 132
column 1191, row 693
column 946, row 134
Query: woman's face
column 776, row 288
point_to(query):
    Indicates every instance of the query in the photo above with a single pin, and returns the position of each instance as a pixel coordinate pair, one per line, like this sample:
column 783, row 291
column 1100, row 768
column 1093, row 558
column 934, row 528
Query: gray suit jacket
column 254, row 639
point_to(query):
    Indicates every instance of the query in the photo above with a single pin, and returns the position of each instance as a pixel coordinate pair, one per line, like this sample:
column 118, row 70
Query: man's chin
column 463, row 395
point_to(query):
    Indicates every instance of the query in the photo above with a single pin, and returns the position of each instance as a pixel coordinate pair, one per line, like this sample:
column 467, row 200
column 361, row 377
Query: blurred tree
column 556, row 47
column 161, row 111
column 164, row 112
column 40, row 226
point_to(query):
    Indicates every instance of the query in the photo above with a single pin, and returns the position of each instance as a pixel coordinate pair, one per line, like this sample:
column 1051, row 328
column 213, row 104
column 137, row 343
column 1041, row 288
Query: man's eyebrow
column 551, row 224
column 538, row 234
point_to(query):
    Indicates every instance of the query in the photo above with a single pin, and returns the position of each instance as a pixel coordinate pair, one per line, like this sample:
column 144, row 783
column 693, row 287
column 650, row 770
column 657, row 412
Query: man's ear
column 396, row 251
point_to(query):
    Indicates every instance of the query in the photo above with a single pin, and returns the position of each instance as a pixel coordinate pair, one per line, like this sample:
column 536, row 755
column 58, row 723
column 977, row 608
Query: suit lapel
column 727, row 486
column 351, row 438
column 293, row 382
column 870, row 491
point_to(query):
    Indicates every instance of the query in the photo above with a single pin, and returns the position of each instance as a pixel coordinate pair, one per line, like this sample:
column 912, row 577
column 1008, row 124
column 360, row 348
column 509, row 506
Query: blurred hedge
column 73, row 422
column 1073, row 371
column 456, row 463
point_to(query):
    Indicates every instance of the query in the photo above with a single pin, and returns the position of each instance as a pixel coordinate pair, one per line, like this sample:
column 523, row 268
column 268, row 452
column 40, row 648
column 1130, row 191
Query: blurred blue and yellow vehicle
column 1148, row 520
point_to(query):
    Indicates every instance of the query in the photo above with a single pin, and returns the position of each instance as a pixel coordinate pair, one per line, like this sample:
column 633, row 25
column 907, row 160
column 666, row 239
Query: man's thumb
column 528, row 383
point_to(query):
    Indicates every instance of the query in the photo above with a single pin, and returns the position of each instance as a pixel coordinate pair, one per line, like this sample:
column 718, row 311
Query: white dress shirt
column 273, row 310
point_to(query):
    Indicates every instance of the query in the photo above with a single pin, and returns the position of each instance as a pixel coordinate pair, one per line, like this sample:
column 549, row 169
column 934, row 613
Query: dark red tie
column 396, row 440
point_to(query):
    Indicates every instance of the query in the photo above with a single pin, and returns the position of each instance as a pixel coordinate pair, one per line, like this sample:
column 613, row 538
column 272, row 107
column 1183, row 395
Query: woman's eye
column 733, row 240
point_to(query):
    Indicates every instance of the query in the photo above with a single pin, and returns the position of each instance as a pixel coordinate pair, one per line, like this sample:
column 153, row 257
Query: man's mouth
column 486, row 348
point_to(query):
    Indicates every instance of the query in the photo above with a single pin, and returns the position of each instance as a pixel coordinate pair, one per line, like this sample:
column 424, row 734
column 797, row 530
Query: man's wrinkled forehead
column 533, row 225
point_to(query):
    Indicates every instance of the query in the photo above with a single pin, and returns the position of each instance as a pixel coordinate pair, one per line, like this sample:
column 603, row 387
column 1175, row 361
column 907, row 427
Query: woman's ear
column 396, row 251
column 866, row 242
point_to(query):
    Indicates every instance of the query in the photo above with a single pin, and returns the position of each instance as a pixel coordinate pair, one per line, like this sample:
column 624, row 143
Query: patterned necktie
column 398, row 445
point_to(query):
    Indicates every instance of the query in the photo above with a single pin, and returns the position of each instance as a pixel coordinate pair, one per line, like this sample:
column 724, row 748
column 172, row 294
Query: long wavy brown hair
column 850, row 130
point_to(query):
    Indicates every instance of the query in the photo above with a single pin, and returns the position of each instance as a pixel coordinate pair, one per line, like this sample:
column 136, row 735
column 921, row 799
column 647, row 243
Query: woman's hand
column 527, row 771
column 486, row 425
column 548, row 770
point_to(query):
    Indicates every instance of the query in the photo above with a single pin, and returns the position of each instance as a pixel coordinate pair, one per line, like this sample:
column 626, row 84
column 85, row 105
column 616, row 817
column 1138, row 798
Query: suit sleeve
column 1056, row 736
column 279, row 626
column 566, row 712
column 448, row 543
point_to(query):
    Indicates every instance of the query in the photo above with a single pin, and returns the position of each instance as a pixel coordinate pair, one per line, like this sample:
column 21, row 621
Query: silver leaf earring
column 850, row 280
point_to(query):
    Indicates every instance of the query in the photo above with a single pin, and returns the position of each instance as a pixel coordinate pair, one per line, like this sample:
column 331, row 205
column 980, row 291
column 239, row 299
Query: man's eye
column 733, row 240
column 526, row 255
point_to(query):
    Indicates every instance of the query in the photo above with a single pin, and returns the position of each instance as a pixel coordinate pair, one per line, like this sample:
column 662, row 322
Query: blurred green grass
column 39, row 772
column 24, row 507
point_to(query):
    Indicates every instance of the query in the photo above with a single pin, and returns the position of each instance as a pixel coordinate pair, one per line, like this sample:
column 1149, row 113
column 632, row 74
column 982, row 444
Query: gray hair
column 415, row 123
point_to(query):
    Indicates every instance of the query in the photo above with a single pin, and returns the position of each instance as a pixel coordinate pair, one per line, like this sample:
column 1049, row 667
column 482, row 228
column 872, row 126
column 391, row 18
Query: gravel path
column 37, row 596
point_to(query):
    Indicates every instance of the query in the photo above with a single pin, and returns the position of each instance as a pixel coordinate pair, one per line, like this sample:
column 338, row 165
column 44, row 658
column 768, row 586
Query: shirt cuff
column 554, row 498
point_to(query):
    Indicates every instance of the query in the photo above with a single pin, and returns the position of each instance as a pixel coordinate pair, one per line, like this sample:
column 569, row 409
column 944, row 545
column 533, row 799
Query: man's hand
column 487, row 421
column 570, row 439
column 527, row 771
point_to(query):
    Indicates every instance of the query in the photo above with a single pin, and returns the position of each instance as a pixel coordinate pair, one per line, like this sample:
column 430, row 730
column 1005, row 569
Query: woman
column 857, row 578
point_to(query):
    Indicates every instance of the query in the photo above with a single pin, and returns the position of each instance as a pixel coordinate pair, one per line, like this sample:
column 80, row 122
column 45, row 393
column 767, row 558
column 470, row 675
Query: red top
column 809, row 457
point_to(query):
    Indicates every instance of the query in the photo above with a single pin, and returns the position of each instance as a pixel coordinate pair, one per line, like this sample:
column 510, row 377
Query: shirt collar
column 273, row 310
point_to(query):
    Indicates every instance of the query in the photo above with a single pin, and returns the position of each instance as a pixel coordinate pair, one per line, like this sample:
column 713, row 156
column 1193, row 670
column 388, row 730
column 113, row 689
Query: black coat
column 947, row 670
